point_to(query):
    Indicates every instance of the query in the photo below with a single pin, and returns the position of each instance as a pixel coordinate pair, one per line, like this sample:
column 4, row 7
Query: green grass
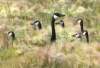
column 7, row 54
column 32, row 48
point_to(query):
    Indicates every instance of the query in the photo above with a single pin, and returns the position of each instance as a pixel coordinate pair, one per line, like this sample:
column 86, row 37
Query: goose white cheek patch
column 36, row 23
column 9, row 34
column 55, row 16
column 84, row 33
column 79, row 21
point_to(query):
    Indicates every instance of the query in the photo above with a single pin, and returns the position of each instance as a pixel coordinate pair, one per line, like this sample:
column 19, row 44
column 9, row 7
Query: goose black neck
column 53, row 36
column 87, row 37
column 81, row 26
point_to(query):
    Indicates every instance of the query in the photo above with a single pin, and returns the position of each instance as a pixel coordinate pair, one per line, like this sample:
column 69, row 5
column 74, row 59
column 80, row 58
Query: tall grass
column 32, row 48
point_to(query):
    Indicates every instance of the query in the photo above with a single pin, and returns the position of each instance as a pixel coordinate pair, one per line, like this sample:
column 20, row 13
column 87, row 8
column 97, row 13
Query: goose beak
column 31, row 23
column 61, row 15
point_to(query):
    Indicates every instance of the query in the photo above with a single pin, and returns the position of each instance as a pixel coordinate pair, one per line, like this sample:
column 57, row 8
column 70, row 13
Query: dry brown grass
column 32, row 48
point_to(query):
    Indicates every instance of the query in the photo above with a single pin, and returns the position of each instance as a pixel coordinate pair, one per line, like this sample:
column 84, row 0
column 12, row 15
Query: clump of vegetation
column 33, row 49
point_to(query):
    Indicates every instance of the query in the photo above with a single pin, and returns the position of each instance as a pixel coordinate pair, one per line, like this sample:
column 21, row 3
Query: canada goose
column 82, row 32
column 11, row 37
column 11, row 34
column 37, row 24
column 54, row 18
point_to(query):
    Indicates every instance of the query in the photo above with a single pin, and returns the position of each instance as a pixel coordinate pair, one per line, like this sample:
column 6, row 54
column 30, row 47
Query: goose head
column 78, row 21
column 57, row 15
column 11, row 34
column 37, row 24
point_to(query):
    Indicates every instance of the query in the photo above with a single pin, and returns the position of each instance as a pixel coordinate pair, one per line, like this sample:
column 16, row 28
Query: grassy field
column 32, row 48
